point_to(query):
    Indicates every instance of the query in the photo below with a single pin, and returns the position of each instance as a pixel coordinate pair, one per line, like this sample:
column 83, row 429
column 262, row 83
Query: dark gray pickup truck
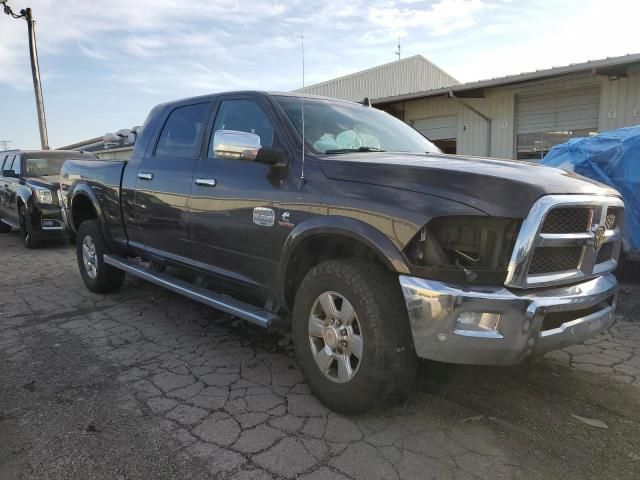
column 29, row 201
column 346, row 222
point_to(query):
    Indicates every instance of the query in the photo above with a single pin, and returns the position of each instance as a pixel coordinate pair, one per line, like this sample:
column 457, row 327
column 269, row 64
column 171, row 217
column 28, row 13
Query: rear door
column 234, row 205
column 163, row 183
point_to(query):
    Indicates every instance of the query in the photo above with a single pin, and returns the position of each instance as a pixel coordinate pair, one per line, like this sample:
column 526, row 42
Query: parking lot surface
column 144, row 384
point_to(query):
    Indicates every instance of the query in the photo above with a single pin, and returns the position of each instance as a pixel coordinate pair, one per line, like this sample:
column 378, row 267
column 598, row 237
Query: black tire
column 26, row 229
column 4, row 228
column 388, row 361
column 104, row 278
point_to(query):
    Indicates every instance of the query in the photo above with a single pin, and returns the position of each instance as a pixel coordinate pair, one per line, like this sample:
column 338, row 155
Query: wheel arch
column 83, row 205
column 327, row 237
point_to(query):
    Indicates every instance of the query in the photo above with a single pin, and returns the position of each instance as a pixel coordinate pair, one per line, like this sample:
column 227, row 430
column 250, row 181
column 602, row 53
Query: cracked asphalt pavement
column 144, row 384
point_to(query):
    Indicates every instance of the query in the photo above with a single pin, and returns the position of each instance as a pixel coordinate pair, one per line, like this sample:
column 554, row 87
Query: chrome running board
column 218, row 301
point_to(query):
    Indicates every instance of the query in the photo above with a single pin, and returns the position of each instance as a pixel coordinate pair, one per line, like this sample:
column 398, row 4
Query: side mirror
column 9, row 174
column 272, row 156
column 231, row 144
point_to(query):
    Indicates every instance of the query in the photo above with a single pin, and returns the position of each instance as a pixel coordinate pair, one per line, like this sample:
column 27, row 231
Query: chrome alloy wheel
column 335, row 337
column 89, row 257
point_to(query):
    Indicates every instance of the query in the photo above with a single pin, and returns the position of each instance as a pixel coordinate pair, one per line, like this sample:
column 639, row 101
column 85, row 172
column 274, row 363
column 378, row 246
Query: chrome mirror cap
column 232, row 144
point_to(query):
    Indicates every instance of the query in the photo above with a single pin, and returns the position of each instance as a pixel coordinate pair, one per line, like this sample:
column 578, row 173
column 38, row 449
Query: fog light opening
column 478, row 324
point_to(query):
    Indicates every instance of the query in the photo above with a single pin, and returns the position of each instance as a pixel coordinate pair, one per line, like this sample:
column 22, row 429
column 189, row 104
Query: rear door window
column 182, row 133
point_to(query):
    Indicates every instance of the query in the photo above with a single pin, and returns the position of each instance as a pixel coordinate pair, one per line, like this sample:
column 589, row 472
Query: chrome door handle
column 206, row 182
column 145, row 176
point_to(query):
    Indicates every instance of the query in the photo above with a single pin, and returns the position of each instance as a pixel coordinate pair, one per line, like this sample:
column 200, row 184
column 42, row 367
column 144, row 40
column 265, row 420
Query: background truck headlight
column 44, row 196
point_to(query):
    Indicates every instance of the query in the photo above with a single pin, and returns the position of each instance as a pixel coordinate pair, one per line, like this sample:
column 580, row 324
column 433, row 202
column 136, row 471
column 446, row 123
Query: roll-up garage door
column 438, row 128
column 573, row 109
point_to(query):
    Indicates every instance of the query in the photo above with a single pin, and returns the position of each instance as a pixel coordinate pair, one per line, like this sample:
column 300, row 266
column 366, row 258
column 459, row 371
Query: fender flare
column 24, row 194
column 352, row 228
column 84, row 190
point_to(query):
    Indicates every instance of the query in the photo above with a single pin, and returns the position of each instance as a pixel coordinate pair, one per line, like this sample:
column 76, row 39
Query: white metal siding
column 410, row 75
column 115, row 154
column 561, row 110
column 439, row 128
column 620, row 102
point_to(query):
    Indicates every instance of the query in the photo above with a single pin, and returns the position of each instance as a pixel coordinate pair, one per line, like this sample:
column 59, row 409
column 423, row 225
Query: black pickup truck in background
column 378, row 248
column 29, row 201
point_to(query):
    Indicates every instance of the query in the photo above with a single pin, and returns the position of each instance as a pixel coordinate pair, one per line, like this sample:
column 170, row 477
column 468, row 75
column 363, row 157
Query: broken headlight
column 464, row 249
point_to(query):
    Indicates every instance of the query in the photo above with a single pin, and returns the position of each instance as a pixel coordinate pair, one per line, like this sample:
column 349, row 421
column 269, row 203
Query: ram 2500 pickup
column 378, row 248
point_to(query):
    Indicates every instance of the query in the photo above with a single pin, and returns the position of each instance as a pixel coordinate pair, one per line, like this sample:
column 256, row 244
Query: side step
column 219, row 301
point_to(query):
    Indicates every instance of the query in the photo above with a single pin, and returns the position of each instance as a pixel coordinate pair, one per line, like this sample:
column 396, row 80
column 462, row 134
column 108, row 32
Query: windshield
column 45, row 167
column 334, row 127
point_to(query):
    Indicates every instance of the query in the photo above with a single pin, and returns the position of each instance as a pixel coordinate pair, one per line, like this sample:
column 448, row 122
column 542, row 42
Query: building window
column 534, row 146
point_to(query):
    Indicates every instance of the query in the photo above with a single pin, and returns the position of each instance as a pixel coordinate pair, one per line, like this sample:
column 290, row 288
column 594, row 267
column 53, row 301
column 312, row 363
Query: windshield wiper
column 359, row 149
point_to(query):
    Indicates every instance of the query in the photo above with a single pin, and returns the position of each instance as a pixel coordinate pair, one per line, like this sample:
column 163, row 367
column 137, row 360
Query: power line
column 8, row 11
column 35, row 69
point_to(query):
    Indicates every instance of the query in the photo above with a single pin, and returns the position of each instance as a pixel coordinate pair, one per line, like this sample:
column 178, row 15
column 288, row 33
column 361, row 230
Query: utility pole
column 398, row 52
column 35, row 70
column 5, row 144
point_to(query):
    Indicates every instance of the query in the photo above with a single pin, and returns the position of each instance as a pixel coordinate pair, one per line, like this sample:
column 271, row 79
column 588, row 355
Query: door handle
column 206, row 182
column 145, row 176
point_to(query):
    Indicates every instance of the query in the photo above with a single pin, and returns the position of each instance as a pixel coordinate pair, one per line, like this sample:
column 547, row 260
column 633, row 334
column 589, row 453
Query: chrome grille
column 567, row 220
column 567, row 238
column 555, row 259
column 605, row 253
column 612, row 219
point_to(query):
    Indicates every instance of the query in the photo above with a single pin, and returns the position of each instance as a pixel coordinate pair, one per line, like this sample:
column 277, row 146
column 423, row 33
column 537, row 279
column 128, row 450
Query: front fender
column 24, row 195
column 82, row 189
column 358, row 230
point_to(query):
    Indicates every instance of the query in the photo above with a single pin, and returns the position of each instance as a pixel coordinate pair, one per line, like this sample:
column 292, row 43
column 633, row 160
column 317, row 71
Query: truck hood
column 50, row 181
column 504, row 188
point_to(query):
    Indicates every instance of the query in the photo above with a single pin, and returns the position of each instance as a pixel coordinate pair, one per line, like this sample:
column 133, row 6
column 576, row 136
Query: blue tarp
column 612, row 158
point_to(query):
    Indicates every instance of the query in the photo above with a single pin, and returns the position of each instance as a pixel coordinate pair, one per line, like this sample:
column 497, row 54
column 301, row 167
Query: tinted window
column 243, row 116
column 8, row 164
column 182, row 132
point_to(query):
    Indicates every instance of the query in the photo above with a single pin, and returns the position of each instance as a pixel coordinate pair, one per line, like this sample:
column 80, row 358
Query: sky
column 104, row 64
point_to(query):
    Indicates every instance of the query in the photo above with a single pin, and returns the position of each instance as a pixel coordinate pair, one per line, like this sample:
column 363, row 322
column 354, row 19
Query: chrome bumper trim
column 434, row 307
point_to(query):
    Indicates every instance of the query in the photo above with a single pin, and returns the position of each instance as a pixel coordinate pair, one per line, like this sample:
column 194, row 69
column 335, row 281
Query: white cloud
column 441, row 18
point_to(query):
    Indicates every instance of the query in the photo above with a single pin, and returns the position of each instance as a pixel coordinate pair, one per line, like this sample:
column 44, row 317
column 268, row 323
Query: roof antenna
column 398, row 52
column 302, row 105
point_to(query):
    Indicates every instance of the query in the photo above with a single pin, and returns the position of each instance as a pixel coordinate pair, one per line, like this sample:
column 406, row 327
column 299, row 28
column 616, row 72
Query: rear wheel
column 90, row 249
column 351, row 335
column 26, row 229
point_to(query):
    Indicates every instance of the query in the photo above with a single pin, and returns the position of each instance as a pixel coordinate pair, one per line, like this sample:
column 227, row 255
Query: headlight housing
column 464, row 249
column 44, row 196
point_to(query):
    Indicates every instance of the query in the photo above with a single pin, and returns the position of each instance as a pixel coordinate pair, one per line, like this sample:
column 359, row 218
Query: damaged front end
column 464, row 249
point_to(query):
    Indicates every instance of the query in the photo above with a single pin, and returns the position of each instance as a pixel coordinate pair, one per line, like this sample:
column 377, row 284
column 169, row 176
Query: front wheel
column 90, row 249
column 352, row 337
column 26, row 229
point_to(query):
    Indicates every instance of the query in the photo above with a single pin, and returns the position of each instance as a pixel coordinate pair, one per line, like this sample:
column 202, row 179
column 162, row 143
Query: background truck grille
column 555, row 259
column 567, row 220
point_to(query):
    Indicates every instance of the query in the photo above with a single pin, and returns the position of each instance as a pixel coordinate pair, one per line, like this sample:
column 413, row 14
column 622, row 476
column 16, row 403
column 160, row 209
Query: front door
column 163, row 184
column 234, row 205
column 9, row 185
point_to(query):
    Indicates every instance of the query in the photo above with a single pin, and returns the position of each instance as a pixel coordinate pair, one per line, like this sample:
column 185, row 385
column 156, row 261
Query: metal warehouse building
column 520, row 116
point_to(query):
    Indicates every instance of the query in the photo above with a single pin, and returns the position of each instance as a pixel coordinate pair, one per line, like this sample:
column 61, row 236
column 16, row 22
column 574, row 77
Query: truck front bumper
column 496, row 326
